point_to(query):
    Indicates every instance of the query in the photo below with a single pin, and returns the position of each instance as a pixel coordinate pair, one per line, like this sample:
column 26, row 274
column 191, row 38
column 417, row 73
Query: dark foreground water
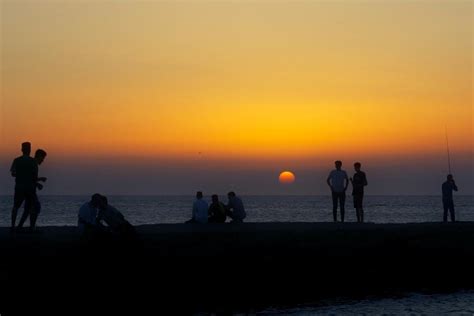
column 460, row 303
column 62, row 210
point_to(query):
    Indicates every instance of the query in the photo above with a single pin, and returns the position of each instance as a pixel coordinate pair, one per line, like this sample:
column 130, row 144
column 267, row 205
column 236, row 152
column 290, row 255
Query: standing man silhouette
column 358, row 183
column 338, row 182
column 25, row 171
column 34, row 209
column 448, row 203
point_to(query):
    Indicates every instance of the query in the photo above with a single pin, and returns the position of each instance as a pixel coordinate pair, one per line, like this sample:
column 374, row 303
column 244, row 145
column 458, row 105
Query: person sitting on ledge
column 235, row 208
column 217, row 213
column 115, row 220
column 200, row 208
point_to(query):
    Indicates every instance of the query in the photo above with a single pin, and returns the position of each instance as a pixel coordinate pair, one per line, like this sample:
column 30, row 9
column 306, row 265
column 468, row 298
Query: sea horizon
column 173, row 209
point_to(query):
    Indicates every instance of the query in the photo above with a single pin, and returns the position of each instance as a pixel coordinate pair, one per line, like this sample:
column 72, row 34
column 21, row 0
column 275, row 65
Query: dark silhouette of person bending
column 338, row 182
column 359, row 181
column 448, row 203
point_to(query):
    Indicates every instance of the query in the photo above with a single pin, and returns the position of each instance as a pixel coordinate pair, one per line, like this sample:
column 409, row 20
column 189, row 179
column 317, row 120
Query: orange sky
column 254, row 80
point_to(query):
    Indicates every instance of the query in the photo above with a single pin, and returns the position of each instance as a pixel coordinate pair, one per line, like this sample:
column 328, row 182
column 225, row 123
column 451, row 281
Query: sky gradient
column 170, row 97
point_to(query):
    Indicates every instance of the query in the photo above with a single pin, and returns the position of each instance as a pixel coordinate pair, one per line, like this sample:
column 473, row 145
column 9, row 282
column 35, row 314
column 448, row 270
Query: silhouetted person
column 200, row 208
column 338, row 182
column 359, row 181
column 235, row 208
column 115, row 220
column 87, row 217
column 34, row 209
column 25, row 171
column 217, row 212
column 448, row 203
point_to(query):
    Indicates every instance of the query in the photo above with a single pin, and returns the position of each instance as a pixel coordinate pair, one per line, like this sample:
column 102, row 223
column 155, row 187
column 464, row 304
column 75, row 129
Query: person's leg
column 14, row 215
column 354, row 197
column 30, row 205
column 342, row 201
column 451, row 210
column 445, row 213
column 334, row 206
column 24, row 216
column 17, row 201
column 35, row 212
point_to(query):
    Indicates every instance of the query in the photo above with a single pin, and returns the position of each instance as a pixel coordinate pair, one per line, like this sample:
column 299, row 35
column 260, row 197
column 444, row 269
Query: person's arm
column 365, row 180
column 347, row 183
column 42, row 179
column 13, row 169
column 328, row 181
column 455, row 187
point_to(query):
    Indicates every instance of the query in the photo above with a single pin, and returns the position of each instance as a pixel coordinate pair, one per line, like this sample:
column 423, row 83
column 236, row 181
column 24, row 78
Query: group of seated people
column 217, row 212
column 93, row 213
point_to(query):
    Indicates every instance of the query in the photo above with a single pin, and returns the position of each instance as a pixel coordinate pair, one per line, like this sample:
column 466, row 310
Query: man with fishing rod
column 448, row 204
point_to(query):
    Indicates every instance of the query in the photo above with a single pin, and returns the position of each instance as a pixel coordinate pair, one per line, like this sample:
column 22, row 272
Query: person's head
column 103, row 203
column 231, row 194
column 357, row 166
column 198, row 195
column 215, row 198
column 40, row 155
column 338, row 164
column 26, row 148
column 450, row 177
column 96, row 200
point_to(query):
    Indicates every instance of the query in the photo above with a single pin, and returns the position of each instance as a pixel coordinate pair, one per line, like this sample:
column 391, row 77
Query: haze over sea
column 139, row 210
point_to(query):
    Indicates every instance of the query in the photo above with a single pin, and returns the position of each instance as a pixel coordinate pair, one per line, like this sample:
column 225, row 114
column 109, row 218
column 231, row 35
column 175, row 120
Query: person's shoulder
column 19, row 159
column 85, row 205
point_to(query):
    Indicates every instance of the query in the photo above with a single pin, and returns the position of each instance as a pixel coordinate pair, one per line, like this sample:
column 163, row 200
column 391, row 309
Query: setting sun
column 286, row 177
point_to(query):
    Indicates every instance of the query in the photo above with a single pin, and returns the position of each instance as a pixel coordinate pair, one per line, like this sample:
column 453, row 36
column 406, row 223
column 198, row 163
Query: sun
column 286, row 177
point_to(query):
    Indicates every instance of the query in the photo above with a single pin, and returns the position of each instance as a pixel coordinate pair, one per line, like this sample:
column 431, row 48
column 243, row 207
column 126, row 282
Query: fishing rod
column 447, row 149
column 449, row 162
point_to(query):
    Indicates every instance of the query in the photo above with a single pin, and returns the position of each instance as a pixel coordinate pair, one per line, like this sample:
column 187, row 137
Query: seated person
column 87, row 216
column 235, row 208
column 217, row 212
column 200, row 208
column 115, row 221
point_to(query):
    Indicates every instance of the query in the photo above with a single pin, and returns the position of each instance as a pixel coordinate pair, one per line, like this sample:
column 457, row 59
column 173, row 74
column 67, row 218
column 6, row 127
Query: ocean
column 139, row 210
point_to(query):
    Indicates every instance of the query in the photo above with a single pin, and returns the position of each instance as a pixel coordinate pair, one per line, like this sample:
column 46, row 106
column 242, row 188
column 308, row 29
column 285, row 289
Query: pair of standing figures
column 338, row 181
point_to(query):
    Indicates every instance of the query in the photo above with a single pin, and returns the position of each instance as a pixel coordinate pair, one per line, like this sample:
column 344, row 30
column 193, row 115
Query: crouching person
column 87, row 223
column 116, row 222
